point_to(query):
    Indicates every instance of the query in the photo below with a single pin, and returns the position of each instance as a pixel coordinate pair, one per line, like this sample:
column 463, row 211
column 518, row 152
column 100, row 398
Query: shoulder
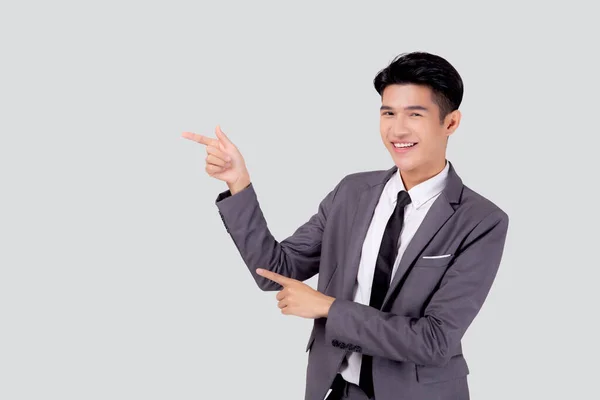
column 363, row 179
column 353, row 184
column 476, row 207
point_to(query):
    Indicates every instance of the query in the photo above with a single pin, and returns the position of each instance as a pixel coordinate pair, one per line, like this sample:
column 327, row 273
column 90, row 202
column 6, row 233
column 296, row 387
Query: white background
column 117, row 277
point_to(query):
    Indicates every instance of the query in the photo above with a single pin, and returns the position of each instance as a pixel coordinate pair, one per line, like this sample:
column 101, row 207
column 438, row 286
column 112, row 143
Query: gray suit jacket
column 415, row 339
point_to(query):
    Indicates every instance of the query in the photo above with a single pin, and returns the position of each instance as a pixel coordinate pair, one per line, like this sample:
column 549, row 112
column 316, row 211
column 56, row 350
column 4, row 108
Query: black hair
column 425, row 69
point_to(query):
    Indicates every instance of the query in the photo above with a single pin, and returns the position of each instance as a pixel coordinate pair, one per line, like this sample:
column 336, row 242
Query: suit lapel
column 363, row 215
column 437, row 215
column 441, row 210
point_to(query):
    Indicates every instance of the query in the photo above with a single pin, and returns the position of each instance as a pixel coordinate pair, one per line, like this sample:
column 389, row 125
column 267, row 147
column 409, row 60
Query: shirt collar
column 421, row 193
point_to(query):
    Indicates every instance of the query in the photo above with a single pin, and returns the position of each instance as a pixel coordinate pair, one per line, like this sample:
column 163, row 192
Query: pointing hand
column 297, row 298
column 223, row 161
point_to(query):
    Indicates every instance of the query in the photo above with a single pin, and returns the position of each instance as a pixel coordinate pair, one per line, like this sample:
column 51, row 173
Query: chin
column 405, row 163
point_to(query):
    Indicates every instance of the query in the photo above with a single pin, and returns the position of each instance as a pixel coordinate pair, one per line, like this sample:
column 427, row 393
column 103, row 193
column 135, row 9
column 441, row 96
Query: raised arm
column 297, row 256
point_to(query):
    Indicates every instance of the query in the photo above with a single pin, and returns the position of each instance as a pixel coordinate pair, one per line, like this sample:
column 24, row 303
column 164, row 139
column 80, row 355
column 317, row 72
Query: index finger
column 201, row 139
column 275, row 277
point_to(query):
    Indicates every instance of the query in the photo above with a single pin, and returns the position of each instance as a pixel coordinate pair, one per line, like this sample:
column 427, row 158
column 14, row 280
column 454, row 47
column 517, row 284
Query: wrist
column 239, row 184
column 328, row 301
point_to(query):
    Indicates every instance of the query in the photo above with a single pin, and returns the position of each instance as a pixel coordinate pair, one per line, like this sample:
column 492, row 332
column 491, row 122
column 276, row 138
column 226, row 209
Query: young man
column 405, row 256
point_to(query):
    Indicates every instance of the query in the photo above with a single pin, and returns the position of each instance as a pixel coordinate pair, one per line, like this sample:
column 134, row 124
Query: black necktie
column 388, row 251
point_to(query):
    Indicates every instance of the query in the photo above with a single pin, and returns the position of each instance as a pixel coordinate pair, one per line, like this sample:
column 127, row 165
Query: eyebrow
column 407, row 108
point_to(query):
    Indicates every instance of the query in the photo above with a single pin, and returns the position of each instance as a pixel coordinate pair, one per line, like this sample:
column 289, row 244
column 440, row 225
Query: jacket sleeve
column 296, row 257
column 430, row 339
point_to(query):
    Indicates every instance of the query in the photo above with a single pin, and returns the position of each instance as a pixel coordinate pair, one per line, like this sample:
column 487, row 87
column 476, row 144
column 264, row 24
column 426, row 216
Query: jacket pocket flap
column 455, row 368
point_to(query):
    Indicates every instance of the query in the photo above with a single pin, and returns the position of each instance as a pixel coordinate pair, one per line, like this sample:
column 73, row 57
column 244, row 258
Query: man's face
column 409, row 115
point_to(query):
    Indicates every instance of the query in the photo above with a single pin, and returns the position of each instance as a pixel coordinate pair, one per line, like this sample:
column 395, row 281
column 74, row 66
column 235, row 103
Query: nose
column 399, row 127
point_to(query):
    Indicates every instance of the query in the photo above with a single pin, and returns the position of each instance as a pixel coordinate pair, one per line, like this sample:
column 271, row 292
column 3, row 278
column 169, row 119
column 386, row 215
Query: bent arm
column 431, row 339
column 295, row 257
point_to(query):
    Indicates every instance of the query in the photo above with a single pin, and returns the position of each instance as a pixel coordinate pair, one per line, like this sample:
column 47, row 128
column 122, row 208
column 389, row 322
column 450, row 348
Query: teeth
column 404, row 144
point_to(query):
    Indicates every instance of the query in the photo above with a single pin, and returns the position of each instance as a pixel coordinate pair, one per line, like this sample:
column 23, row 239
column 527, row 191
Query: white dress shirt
column 422, row 197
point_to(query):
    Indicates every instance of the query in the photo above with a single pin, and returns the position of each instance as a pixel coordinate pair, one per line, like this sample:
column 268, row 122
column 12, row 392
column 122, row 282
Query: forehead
column 400, row 95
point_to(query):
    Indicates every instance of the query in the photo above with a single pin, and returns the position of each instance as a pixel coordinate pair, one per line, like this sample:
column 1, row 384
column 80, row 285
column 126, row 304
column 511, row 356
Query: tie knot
column 403, row 198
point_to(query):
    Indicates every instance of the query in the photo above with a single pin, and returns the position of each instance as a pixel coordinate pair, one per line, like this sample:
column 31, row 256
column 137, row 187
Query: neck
column 414, row 177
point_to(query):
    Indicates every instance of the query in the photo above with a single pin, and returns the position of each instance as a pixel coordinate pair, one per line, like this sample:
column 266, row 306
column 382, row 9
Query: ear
column 452, row 121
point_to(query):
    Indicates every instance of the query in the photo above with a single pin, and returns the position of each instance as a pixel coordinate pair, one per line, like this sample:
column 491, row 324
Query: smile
column 403, row 147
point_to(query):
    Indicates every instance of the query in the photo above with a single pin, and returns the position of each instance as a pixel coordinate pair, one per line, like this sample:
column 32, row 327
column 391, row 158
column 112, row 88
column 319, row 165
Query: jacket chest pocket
column 433, row 261
column 421, row 281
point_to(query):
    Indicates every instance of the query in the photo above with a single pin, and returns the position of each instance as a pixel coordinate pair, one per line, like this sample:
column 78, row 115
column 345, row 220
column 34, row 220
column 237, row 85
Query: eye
column 416, row 114
column 387, row 113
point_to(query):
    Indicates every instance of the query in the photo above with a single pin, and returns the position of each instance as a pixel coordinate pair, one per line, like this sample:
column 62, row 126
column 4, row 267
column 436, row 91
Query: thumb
column 222, row 137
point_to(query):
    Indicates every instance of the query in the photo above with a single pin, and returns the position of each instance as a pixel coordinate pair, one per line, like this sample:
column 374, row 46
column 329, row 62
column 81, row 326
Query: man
column 405, row 256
